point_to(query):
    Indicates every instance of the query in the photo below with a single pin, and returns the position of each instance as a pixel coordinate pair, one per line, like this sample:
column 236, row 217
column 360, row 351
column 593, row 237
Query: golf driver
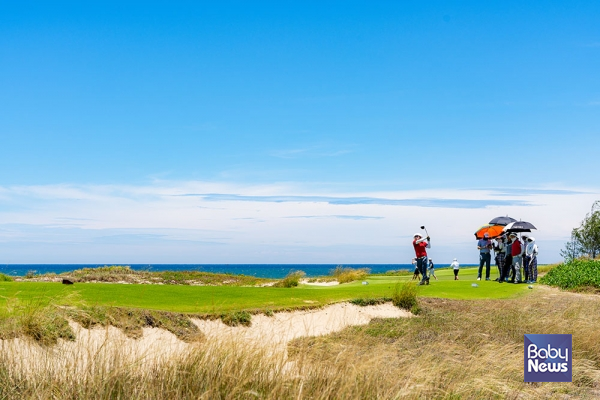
column 423, row 227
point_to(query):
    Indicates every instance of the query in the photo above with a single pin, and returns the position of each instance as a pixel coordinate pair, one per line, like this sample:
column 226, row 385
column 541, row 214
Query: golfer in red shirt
column 420, row 244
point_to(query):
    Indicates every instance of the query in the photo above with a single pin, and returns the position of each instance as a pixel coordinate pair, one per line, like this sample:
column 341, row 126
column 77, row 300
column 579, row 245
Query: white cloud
column 279, row 223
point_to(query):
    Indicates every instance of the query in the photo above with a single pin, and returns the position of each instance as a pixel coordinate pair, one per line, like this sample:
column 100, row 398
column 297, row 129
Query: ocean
column 274, row 271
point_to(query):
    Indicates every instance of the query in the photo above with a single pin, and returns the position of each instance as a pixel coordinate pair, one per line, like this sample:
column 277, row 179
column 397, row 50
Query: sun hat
column 455, row 259
column 486, row 235
column 531, row 239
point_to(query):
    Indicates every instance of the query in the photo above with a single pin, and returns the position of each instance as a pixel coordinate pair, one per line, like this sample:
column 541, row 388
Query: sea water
column 274, row 271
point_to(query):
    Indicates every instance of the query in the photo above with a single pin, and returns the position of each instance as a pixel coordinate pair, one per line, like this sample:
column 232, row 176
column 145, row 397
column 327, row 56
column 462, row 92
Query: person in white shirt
column 531, row 252
column 455, row 266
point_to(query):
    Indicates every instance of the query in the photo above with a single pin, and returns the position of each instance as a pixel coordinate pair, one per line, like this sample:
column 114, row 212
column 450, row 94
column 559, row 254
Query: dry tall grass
column 453, row 350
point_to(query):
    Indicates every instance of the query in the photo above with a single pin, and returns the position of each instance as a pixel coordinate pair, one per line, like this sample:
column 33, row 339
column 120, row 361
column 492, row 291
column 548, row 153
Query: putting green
column 218, row 299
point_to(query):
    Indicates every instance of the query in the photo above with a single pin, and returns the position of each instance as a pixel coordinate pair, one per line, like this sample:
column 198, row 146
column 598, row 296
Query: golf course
column 219, row 299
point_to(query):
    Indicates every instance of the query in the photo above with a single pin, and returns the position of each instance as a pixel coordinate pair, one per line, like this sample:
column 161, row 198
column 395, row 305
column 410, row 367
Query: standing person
column 420, row 244
column 432, row 269
column 416, row 273
column 484, row 246
column 500, row 255
column 517, row 258
column 455, row 266
column 531, row 251
column 525, row 277
column 508, row 270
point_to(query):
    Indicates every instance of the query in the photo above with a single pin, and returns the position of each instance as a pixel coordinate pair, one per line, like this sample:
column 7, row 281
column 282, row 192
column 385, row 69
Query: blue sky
column 246, row 131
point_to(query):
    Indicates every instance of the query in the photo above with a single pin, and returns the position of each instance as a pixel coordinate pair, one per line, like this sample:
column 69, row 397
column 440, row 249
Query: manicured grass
column 219, row 299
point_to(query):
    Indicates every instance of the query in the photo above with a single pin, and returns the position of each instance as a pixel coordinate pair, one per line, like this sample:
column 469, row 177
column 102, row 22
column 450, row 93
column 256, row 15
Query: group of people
column 516, row 258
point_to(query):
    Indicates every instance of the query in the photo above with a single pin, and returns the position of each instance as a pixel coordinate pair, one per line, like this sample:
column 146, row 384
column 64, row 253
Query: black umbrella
column 519, row 226
column 502, row 221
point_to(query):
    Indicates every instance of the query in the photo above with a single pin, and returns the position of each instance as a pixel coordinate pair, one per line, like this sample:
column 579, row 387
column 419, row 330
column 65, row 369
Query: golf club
column 423, row 227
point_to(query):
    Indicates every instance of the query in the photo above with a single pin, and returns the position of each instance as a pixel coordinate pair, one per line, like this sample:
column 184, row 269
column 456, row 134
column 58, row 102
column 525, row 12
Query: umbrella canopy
column 519, row 226
column 492, row 230
column 502, row 221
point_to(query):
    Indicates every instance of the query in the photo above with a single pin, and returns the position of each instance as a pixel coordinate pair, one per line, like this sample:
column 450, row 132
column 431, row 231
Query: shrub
column 370, row 301
column 575, row 274
column 291, row 280
column 5, row 278
column 405, row 296
column 347, row 274
column 237, row 318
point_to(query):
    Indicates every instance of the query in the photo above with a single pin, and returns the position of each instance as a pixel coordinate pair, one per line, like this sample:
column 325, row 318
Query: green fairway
column 218, row 299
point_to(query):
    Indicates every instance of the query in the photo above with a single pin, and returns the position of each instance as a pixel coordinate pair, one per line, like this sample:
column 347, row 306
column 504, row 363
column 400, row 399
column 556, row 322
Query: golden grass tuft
column 347, row 274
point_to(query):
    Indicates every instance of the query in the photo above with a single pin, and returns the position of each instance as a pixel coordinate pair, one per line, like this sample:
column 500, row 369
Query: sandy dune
column 100, row 346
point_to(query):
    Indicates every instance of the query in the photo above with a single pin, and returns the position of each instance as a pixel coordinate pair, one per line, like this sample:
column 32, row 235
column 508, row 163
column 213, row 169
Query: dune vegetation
column 465, row 342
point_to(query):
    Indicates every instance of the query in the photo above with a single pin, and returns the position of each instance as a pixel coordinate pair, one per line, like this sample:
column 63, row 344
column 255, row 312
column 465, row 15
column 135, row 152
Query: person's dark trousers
column 455, row 274
column 422, row 265
column 526, row 260
column 506, row 267
column 484, row 258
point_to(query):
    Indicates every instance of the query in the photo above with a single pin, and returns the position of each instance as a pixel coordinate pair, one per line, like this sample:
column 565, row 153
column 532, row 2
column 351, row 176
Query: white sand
column 102, row 345
column 282, row 327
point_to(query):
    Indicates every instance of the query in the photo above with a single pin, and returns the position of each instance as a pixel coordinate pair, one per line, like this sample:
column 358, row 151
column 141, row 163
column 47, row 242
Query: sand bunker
column 100, row 346
column 279, row 329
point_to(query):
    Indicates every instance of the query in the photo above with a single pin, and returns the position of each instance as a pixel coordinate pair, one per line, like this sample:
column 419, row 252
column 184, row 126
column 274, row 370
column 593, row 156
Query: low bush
column 370, row 301
column 405, row 296
column 237, row 318
column 347, row 274
column 5, row 278
column 291, row 280
column 574, row 275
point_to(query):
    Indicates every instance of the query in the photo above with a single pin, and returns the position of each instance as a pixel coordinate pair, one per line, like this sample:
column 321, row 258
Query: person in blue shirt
column 484, row 246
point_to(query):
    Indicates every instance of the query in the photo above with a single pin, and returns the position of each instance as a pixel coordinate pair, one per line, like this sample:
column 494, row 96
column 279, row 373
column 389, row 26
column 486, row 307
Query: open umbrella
column 502, row 221
column 519, row 226
column 492, row 231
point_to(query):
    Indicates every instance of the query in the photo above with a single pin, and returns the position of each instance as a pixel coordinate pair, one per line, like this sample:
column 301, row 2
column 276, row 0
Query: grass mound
column 124, row 273
column 575, row 275
column 347, row 274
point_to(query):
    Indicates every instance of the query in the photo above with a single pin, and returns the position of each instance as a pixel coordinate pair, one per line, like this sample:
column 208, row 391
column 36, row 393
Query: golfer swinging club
column 420, row 244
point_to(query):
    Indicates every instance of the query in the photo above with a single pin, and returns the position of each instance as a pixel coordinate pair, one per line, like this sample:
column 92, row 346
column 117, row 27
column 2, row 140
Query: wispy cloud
column 529, row 191
column 352, row 217
column 419, row 202
column 217, row 222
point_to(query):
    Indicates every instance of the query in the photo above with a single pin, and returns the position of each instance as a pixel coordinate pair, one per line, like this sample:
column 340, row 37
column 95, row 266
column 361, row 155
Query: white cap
column 455, row 259
column 417, row 234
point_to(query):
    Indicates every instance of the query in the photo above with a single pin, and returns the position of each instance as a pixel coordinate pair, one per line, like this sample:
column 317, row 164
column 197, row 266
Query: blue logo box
column 548, row 358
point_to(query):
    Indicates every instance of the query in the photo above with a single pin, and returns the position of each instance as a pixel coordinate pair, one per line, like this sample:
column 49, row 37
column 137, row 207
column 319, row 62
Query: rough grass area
column 125, row 274
column 5, row 278
column 463, row 349
column 347, row 274
column 405, row 296
column 45, row 322
column 456, row 349
column 577, row 275
column 131, row 321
